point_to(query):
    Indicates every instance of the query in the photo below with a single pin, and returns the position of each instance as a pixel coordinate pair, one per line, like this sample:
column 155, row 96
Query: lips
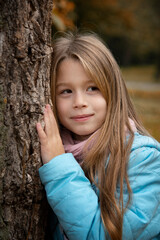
column 81, row 118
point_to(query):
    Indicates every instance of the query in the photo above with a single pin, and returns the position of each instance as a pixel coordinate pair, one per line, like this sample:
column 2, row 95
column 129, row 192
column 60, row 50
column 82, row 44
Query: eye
column 93, row 88
column 66, row 91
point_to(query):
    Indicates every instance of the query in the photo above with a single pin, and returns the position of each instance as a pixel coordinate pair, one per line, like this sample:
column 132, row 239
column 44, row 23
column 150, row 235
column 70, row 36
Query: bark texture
column 25, row 56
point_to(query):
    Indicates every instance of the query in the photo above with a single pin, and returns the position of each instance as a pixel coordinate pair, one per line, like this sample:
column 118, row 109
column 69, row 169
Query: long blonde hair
column 101, row 66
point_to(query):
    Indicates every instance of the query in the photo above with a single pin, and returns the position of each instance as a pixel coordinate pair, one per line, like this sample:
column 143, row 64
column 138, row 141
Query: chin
column 82, row 136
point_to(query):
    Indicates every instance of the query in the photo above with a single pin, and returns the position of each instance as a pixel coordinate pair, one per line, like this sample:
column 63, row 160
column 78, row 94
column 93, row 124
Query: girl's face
column 81, row 108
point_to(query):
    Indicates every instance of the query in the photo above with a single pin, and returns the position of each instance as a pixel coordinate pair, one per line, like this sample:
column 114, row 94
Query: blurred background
column 131, row 29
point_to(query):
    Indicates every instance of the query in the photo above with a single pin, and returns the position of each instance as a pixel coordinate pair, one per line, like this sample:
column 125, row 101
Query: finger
column 48, row 124
column 52, row 120
column 50, row 112
column 41, row 133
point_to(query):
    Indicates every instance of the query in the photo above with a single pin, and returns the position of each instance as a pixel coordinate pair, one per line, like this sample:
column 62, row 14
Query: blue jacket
column 76, row 203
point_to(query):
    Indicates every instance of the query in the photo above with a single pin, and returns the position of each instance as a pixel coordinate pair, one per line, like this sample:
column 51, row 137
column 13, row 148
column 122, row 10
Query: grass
column 147, row 102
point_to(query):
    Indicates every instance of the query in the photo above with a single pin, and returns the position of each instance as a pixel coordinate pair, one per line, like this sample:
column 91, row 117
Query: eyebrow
column 61, row 84
column 66, row 84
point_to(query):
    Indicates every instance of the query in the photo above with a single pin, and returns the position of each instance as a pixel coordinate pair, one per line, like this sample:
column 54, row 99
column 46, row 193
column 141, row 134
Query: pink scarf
column 76, row 147
column 73, row 146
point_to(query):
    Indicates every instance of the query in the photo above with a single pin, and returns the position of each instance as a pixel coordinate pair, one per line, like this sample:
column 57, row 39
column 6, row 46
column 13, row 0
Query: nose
column 79, row 100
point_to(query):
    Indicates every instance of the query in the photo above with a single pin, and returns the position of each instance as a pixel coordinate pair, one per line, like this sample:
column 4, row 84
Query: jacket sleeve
column 76, row 204
column 142, row 217
column 72, row 198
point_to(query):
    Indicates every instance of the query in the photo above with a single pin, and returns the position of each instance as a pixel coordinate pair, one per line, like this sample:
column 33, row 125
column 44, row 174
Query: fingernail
column 38, row 124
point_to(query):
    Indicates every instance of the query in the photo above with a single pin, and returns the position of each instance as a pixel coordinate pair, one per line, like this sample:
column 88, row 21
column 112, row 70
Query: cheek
column 61, row 108
column 102, row 108
column 101, row 104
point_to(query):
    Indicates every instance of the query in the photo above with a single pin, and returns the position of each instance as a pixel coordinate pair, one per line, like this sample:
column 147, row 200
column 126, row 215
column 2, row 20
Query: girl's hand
column 51, row 143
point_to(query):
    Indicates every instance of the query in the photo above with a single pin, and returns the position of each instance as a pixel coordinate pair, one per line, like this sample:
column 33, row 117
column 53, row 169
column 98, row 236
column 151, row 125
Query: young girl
column 101, row 169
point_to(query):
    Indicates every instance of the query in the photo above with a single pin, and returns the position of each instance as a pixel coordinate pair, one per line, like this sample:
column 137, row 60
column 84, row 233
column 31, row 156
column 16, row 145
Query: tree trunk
column 25, row 56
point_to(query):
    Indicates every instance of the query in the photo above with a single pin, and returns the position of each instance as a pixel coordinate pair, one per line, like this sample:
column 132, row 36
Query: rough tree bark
column 25, row 55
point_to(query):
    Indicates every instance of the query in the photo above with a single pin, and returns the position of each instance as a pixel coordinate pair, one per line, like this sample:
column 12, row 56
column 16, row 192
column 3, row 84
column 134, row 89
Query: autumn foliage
column 63, row 14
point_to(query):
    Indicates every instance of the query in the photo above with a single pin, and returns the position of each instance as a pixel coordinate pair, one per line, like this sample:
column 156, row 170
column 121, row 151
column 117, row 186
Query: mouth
column 82, row 118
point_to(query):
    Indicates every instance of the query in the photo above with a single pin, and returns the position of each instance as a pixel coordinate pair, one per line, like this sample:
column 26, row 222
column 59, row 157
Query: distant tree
column 130, row 28
column 25, row 56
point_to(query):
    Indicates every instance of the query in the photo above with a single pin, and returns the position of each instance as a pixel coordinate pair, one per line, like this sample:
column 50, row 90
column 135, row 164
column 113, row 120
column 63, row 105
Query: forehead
column 68, row 63
column 70, row 69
